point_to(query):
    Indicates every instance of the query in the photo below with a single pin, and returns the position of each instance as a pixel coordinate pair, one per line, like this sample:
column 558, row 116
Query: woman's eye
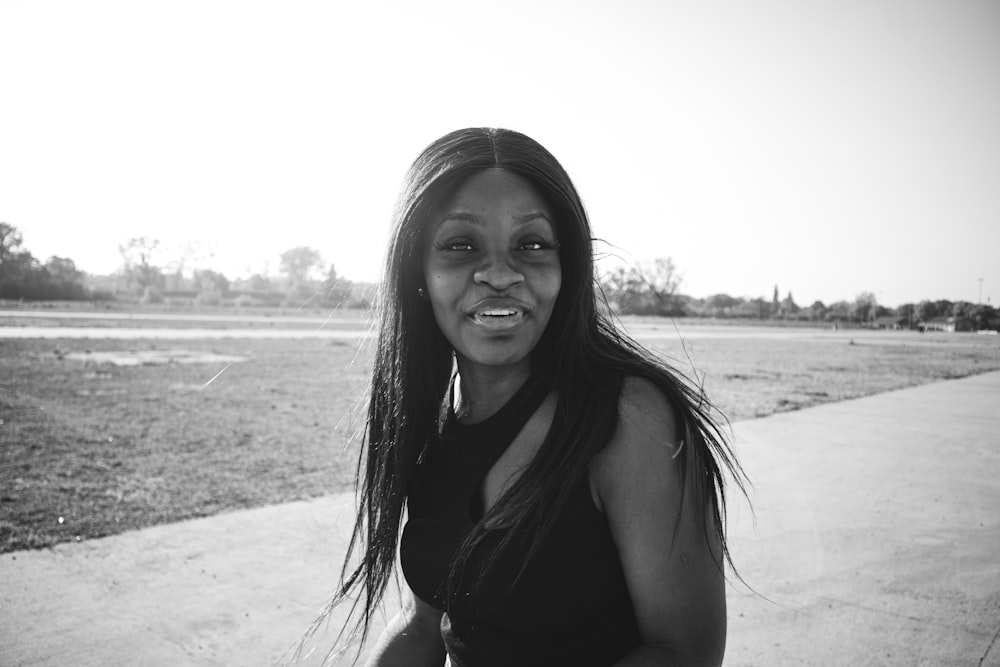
column 537, row 244
column 455, row 245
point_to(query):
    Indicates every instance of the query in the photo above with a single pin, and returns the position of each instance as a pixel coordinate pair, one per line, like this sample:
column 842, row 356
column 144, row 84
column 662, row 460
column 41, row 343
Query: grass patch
column 89, row 449
column 748, row 378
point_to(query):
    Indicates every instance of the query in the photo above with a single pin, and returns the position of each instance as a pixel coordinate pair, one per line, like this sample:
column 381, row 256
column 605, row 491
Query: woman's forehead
column 492, row 188
column 491, row 195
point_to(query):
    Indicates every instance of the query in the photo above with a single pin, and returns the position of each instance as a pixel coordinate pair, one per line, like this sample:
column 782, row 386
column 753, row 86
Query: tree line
column 23, row 276
column 652, row 288
column 148, row 274
column 304, row 279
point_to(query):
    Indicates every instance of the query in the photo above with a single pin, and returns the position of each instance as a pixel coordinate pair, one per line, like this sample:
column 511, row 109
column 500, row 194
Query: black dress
column 571, row 605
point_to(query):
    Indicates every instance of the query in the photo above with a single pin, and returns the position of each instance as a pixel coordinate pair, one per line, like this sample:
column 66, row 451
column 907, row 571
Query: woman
column 561, row 488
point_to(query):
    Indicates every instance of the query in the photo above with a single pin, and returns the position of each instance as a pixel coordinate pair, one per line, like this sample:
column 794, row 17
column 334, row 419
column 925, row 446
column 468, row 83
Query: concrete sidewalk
column 878, row 531
column 877, row 542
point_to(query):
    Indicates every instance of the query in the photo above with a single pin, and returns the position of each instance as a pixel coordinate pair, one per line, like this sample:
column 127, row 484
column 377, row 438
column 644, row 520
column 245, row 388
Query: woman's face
column 492, row 269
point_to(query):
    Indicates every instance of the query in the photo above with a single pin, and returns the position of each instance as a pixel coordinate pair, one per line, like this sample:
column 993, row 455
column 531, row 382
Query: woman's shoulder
column 646, row 439
column 645, row 418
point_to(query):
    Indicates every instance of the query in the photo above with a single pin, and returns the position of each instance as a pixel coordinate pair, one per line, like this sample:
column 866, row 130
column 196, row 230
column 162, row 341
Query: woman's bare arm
column 412, row 637
column 677, row 587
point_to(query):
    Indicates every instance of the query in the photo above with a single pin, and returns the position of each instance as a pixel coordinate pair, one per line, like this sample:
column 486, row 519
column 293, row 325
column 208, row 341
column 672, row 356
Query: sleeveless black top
column 571, row 605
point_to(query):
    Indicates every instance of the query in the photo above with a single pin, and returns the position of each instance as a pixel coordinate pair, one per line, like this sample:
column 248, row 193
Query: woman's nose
column 499, row 272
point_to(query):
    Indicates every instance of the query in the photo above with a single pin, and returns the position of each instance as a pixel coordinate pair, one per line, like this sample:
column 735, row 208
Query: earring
column 421, row 292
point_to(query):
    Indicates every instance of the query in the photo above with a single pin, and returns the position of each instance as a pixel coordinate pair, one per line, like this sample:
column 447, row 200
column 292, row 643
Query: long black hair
column 582, row 355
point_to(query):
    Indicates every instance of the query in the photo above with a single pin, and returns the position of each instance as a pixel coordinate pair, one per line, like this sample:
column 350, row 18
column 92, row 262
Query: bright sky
column 827, row 147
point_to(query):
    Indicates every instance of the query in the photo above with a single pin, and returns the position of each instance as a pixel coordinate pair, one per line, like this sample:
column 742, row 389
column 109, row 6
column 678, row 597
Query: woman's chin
column 499, row 359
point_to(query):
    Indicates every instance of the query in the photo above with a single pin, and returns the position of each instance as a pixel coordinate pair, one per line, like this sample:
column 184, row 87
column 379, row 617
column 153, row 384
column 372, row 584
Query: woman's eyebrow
column 528, row 217
column 460, row 217
column 476, row 220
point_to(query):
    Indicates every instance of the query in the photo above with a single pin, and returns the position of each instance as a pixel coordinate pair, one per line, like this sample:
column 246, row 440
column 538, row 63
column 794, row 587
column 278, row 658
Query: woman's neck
column 480, row 392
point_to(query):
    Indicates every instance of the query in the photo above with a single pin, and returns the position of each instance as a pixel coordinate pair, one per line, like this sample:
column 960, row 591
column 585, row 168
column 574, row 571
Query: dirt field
column 102, row 435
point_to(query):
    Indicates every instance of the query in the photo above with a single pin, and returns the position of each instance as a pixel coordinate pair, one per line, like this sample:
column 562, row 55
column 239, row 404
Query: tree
column 647, row 289
column 66, row 280
column 208, row 280
column 906, row 313
column 788, row 306
column 621, row 287
column 757, row 308
column 817, row 311
column 925, row 311
column 943, row 307
column 336, row 290
column 211, row 285
column 19, row 265
column 722, row 305
column 962, row 309
column 983, row 315
column 300, row 265
column 137, row 263
column 260, row 283
column 63, row 270
column 839, row 311
column 10, row 241
column 22, row 276
column 192, row 255
column 188, row 258
column 663, row 280
column 863, row 308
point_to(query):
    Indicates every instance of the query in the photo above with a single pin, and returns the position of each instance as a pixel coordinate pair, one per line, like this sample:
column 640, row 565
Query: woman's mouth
column 498, row 318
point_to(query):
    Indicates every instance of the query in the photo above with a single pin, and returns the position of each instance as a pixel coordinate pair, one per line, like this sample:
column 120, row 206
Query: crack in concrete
column 917, row 619
column 989, row 648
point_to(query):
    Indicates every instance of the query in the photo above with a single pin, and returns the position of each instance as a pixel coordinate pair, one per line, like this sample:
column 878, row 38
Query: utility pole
column 980, row 291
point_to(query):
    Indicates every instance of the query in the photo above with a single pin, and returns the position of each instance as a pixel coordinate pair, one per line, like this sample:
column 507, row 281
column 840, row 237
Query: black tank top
column 571, row 605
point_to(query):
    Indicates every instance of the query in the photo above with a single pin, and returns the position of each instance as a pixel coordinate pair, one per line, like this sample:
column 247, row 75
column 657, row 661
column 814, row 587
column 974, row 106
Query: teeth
column 498, row 312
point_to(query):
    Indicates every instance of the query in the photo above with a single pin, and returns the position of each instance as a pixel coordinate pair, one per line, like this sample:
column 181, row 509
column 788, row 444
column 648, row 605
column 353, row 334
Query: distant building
column 948, row 324
column 893, row 322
